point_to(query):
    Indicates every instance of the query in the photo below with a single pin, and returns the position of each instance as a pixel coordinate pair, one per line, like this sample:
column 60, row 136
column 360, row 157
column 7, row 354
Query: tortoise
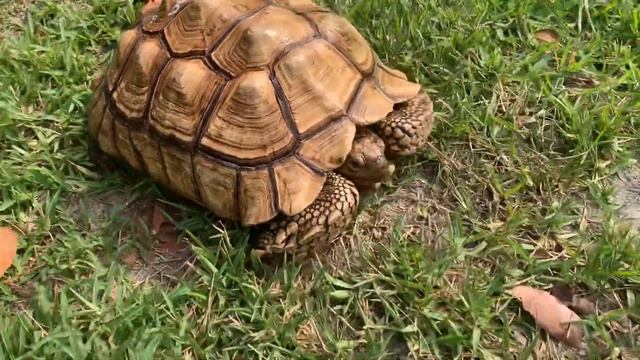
column 275, row 114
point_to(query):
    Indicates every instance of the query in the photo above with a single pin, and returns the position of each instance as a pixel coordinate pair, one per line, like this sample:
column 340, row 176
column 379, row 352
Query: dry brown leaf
column 168, row 242
column 583, row 306
column 155, row 218
column 8, row 248
column 563, row 293
column 130, row 258
column 158, row 219
column 547, row 36
column 550, row 314
column 567, row 296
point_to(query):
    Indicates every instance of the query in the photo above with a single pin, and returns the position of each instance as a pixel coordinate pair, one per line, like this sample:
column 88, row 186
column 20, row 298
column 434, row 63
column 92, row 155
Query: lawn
column 528, row 179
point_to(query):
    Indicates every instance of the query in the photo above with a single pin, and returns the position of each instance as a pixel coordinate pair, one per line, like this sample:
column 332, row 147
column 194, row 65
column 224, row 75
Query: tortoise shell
column 242, row 106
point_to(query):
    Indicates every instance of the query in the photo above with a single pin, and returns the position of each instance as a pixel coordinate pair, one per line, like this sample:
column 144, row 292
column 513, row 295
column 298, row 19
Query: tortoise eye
column 356, row 162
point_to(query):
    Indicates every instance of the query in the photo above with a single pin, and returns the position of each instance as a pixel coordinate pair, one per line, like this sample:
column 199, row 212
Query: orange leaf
column 550, row 314
column 566, row 295
column 130, row 258
column 157, row 220
column 547, row 36
column 8, row 248
column 161, row 216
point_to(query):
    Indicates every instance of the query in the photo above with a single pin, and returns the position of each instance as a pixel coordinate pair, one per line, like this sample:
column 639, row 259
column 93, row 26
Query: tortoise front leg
column 406, row 129
column 316, row 227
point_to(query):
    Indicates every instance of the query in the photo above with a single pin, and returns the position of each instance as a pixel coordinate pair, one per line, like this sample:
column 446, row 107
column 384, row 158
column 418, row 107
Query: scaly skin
column 316, row 227
column 403, row 132
column 367, row 165
column 407, row 128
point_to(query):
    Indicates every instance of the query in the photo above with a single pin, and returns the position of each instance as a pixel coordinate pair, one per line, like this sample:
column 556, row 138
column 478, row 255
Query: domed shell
column 241, row 105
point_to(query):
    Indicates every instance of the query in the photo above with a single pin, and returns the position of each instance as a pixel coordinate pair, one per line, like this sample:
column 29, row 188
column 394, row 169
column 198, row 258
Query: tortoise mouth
column 385, row 173
column 368, row 174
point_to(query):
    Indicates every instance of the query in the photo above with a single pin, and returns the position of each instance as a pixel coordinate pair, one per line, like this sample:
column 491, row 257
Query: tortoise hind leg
column 314, row 229
column 406, row 129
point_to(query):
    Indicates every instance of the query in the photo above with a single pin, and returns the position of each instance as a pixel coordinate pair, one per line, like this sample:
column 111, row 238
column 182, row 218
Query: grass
column 515, row 187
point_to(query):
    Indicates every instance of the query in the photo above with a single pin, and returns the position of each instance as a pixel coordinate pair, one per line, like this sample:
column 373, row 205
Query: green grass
column 499, row 198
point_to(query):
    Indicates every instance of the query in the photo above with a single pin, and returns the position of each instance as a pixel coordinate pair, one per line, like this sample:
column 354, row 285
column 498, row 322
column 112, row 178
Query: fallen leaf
column 163, row 215
column 168, row 242
column 158, row 219
column 547, row 36
column 550, row 314
column 130, row 258
column 583, row 306
column 8, row 248
column 154, row 217
column 563, row 293
column 567, row 296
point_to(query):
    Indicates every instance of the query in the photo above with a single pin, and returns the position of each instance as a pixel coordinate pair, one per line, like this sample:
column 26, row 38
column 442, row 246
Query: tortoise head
column 367, row 164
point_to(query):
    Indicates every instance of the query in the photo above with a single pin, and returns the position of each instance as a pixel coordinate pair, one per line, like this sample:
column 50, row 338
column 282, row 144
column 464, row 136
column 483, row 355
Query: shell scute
column 97, row 107
column 184, row 90
column 186, row 33
column 249, row 125
column 298, row 5
column 149, row 149
column 246, row 104
column 203, row 23
column 126, row 44
column 297, row 185
column 394, row 83
column 328, row 149
column 256, row 197
column 318, row 83
column 157, row 15
column 345, row 37
column 105, row 135
column 370, row 105
column 122, row 141
column 217, row 184
column 179, row 170
column 132, row 93
column 255, row 42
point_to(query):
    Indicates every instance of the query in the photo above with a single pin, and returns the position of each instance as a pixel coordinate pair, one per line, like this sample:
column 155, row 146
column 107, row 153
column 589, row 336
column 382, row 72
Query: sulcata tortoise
column 271, row 113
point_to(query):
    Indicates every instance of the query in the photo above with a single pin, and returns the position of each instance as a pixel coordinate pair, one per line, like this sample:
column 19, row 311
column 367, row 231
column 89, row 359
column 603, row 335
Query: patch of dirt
column 416, row 211
column 166, row 255
column 158, row 252
column 13, row 17
column 627, row 196
column 92, row 211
